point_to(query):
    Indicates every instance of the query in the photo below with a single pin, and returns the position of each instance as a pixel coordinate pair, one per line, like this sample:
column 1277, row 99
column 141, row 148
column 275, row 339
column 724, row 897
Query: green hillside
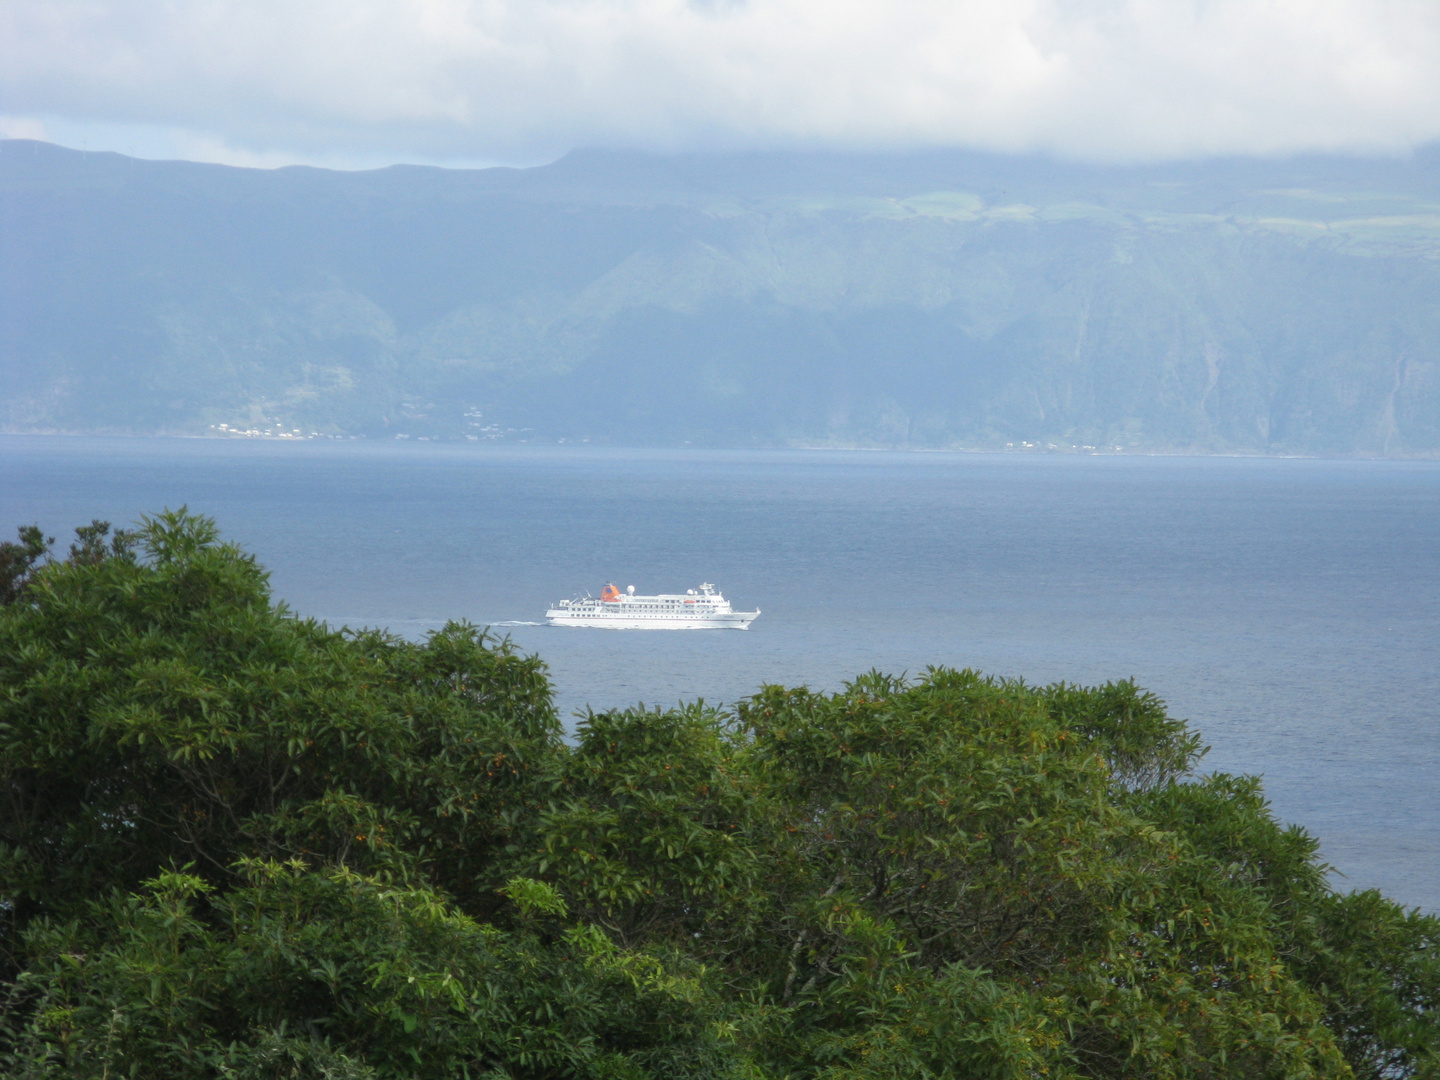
column 934, row 300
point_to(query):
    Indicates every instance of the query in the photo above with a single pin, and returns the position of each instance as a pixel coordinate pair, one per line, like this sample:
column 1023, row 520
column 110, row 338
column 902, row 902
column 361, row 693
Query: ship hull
column 739, row 620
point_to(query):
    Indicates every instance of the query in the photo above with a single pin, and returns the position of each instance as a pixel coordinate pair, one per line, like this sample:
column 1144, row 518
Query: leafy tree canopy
column 239, row 843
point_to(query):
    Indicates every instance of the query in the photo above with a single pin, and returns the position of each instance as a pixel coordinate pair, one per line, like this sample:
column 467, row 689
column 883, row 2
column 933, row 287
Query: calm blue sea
column 1289, row 608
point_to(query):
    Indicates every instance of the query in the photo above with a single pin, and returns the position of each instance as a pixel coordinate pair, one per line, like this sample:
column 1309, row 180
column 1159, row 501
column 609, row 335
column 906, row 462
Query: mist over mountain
column 943, row 299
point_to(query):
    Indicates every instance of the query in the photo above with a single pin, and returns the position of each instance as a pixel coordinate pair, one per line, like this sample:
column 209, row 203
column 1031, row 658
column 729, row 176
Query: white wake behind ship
column 695, row 609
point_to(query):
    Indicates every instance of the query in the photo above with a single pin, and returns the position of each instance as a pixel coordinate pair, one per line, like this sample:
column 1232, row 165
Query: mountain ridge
column 936, row 300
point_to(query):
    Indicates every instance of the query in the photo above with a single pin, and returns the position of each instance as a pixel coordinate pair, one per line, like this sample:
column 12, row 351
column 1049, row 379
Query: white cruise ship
column 696, row 609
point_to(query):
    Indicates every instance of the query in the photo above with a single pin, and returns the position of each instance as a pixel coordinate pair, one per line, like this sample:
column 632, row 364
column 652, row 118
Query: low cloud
column 23, row 127
column 524, row 80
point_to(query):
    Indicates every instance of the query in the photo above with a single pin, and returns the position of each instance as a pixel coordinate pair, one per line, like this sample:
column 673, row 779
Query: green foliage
column 350, row 974
column 647, row 827
column 18, row 560
column 1142, row 745
column 1377, row 971
column 159, row 711
column 236, row 843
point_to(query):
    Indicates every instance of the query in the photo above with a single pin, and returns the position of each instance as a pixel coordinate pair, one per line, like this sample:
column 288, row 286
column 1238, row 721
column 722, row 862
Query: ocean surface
column 1290, row 609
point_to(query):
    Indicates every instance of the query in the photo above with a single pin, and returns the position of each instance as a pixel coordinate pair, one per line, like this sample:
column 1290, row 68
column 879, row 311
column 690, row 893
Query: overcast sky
column 354, row 83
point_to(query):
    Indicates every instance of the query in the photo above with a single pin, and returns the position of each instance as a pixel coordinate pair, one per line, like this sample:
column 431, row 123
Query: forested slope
column 934, row 300
column 238, row 843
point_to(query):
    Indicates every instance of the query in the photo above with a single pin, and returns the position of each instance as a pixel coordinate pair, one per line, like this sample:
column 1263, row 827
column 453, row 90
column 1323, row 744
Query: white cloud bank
column 269, row 81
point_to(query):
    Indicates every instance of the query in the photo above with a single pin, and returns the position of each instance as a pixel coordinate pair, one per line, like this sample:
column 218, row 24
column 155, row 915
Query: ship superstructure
column 694, row 609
